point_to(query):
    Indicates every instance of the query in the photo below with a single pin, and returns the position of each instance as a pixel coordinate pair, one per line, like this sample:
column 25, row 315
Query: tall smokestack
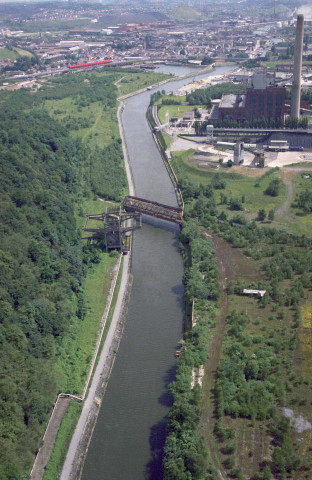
column 296, row 85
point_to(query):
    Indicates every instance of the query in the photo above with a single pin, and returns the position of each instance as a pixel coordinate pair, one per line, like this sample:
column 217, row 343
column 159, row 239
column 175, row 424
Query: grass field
column 250, row 188
column 302, row 220
column 167, row 140
column 23, row 53
column 6, row 53
column 186, row 14
column 76, row 352
column 173, row 110
column 102, row 126
column 135, row 81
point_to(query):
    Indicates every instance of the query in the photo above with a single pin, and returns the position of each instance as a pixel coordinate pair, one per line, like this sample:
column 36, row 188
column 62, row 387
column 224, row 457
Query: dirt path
column 231, row 264
column 283, row 211
column 227, row 270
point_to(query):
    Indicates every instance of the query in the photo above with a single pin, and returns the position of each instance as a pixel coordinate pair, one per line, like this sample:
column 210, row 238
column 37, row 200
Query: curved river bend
column 129, row 435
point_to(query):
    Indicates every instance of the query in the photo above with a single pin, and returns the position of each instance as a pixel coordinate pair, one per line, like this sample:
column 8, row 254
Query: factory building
column 264, row 99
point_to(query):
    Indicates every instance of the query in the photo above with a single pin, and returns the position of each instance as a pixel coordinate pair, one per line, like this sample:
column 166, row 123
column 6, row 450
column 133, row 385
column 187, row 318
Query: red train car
column 90, row 64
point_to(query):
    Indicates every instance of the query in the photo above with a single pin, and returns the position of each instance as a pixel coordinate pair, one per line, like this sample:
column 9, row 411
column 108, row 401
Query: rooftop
column 232, row 101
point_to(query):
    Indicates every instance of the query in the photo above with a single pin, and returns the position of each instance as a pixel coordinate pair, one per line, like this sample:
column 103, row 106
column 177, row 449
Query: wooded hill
column 45, row 173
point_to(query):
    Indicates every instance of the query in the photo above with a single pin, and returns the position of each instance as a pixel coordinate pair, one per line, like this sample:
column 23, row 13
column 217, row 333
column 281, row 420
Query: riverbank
column 80, row 441
column 187, row 75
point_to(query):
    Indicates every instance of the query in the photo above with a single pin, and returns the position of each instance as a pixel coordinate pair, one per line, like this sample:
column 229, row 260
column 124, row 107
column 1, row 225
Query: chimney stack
column 296, row 85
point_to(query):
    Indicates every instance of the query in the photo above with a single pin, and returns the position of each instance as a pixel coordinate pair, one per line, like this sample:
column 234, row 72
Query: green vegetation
column 8, row 53
column 42, row 270
column 230, row 187
column 54, row 468
column 173, row 111
column 257, row 366
column 52, row 286
column 135, row 81
column 204, row 95
column 166, row 141
column 86, row 105
column 185, row 452
column 186, row 14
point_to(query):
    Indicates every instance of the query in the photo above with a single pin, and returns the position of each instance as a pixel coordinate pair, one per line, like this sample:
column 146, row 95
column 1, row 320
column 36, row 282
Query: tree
column 261, row 215
column 274, row 187
column 236, row 204
column 207, row 61
column 271, row 215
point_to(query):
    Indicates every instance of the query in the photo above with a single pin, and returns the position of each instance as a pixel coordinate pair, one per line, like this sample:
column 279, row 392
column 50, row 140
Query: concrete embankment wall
column 172, row 175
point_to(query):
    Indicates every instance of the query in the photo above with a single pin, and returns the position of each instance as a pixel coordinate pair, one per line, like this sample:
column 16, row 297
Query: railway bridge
column 155, row 209
column 117, row 223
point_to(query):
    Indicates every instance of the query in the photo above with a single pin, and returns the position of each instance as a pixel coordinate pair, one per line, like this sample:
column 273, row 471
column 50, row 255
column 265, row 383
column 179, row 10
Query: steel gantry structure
column 117, row 223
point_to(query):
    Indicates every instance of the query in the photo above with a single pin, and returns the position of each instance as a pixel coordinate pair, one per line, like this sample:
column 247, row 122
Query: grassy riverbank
column 54, row 467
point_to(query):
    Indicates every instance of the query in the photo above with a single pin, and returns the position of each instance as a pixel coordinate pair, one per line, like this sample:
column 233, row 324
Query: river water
column 130, row 432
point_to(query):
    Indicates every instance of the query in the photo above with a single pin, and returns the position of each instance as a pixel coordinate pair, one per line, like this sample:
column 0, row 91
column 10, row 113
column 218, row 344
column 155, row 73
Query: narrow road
column 283, row 211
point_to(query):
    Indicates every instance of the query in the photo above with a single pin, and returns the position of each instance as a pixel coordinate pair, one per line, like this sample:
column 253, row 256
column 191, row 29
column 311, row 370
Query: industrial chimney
column 296, row 85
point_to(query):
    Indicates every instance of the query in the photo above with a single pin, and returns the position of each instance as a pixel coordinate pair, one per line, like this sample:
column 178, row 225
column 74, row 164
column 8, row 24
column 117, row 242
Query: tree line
column 185, row 454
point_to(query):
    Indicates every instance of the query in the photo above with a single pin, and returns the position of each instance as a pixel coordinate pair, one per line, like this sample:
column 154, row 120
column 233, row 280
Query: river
column 129, row 435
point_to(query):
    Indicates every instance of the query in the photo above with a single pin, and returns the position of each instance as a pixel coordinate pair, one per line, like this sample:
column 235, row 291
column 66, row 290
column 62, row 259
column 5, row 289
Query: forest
column 45, row 174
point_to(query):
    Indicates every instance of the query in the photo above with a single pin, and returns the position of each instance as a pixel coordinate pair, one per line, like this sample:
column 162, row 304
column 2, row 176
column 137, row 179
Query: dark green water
column 130, row 431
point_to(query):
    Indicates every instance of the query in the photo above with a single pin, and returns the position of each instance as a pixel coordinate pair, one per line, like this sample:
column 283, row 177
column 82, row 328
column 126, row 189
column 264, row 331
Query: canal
column 130, row 432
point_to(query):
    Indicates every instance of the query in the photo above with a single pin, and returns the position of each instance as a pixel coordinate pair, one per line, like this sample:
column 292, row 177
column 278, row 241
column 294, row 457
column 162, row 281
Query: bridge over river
column 155, row 209
column 115, row 225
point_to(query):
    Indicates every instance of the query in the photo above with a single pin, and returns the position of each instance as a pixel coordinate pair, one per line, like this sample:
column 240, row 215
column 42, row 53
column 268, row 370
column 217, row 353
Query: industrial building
column 264, row 99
